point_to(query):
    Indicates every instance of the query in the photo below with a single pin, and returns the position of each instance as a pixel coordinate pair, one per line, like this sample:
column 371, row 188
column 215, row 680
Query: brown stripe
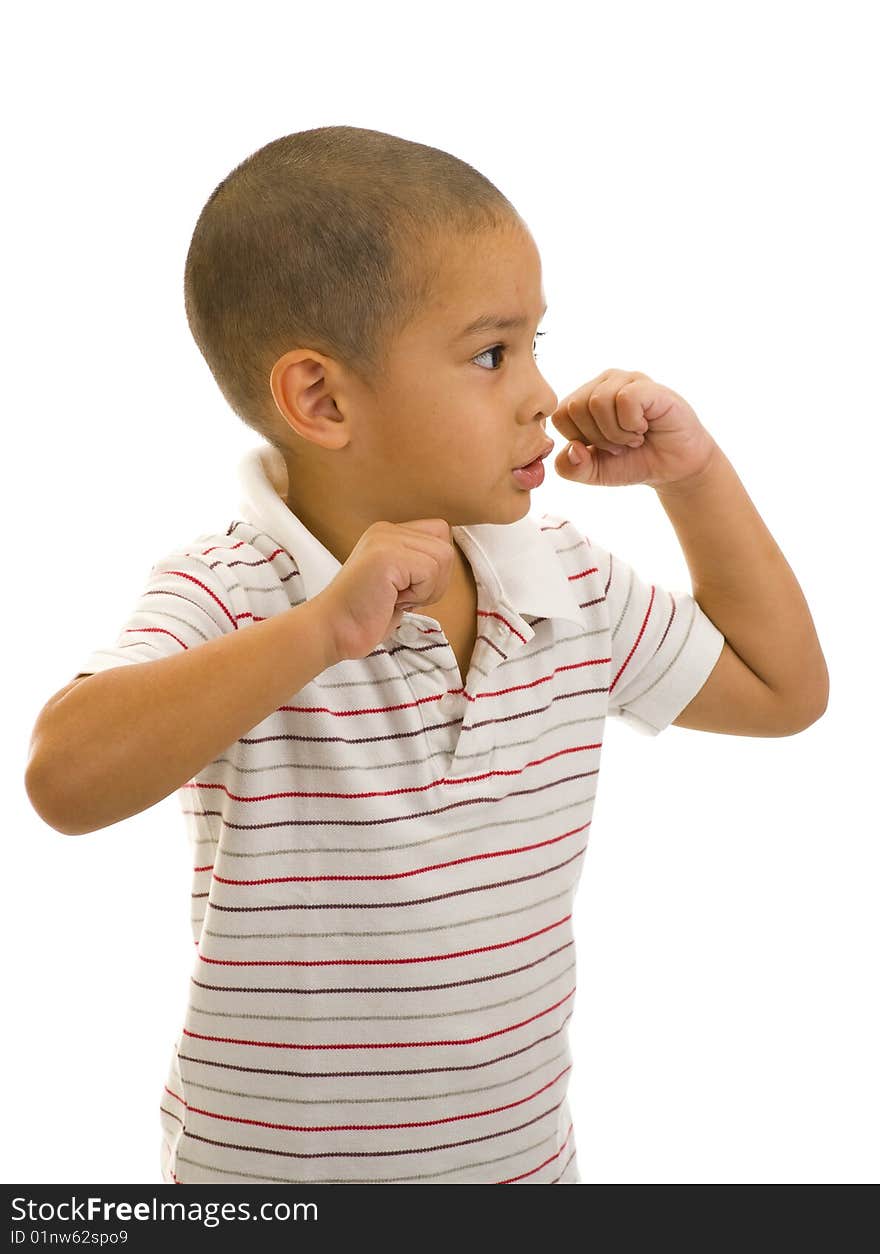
column 390, row 905
column 407, row 844
column 373, row 933
column 424, row 1175
column 396, row 763
column 425, row 727
column 190, row 1083
column 397, row 1017
column 387, row 820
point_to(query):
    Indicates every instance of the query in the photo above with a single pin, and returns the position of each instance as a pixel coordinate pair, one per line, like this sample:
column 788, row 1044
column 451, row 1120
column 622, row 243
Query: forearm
column 125, row 738
column 743, row 583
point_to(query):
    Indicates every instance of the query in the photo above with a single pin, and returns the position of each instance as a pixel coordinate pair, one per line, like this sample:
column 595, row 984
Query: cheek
column 394, row 438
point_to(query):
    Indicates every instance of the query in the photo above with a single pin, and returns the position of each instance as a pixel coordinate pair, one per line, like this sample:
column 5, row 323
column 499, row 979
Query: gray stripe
column 405, row 931
column 372, row 767
column 166, row 615
column 578, row 544
column 492, row 825
column 630, row 698
column 524, row 655
column 370, row 1101
column 625, row 606
column 397, row 1018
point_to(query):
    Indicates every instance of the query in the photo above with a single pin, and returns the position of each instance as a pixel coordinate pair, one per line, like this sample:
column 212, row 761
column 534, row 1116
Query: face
column 454, row 413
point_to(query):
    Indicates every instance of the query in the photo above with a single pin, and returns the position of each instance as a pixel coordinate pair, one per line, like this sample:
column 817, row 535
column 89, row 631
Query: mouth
column 536, row 457
column 531, row 474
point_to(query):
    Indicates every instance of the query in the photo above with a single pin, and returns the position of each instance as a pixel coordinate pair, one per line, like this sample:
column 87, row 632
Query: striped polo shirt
column 384, row 868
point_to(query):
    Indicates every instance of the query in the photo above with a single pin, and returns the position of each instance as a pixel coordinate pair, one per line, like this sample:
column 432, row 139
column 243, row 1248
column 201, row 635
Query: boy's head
column 328, row 285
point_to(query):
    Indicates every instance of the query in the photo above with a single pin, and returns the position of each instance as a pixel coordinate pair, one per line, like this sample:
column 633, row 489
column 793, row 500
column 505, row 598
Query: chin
column 510, row 512
column 522, row 501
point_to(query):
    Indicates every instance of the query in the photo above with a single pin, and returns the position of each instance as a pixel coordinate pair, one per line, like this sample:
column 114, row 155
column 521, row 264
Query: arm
column 121, row 740
column 771, row 677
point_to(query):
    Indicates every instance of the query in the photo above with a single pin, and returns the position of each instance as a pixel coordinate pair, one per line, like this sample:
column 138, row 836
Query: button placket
column 426, row 673
column 419, row 639
column 500, row 638
column 503, row 633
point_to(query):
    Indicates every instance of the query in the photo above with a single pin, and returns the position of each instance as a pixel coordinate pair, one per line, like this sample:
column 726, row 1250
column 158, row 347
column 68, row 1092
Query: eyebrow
column 494, row 322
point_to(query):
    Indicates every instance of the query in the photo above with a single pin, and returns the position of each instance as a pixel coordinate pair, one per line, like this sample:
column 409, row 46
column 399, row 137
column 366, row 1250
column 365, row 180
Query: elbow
column 44, row 799
column 810, row 713
column 821, row 703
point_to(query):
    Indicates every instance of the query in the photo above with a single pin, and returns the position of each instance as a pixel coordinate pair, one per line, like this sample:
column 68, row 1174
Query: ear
column 302, row 389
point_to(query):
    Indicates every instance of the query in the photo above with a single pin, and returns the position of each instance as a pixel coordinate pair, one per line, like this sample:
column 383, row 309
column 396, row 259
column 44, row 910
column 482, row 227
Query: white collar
column 517, row 559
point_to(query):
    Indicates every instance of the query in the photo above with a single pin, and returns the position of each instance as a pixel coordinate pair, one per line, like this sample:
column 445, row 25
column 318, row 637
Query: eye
column 503, row 348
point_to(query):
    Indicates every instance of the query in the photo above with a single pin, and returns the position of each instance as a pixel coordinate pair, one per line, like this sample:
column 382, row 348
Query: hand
column 392, row 568
column 603, row 416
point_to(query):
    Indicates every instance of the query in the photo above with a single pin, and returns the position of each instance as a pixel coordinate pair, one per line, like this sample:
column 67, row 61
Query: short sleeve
column 663, row 646
column 185, row 602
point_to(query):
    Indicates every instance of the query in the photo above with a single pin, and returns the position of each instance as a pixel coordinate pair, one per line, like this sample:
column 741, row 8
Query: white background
column 701, row 183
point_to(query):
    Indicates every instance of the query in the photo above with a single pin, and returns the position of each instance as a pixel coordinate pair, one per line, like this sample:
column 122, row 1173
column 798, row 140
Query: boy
column 380, row 688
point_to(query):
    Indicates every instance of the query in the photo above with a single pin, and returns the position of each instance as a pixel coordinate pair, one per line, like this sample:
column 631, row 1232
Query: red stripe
column 636, row 645
column 186, row 575
column 591, row 570
column 231, row 547
column 543, row 679
column 396, row 792
column 468, row 1040
column 433, row 631
column 160, row 630
column 402, row 875
column 372, row 1127
column 370, row 962
column 501, row 618
column 409, row 705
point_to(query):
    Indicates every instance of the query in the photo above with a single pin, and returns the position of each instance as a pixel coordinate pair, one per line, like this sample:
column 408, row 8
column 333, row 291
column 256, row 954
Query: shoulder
column 233, row 574
column 239, row 554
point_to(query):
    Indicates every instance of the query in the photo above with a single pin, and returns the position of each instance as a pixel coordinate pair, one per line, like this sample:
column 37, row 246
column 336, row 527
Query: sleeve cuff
column 661, row 703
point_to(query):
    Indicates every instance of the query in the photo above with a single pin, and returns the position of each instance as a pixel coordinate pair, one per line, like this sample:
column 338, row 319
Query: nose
column 549, row 399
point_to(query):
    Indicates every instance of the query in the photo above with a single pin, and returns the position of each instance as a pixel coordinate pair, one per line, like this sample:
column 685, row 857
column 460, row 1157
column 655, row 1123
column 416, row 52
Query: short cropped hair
column 325, row 239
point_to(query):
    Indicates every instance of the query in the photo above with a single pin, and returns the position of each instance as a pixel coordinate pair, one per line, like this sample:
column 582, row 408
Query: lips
column 539, row 456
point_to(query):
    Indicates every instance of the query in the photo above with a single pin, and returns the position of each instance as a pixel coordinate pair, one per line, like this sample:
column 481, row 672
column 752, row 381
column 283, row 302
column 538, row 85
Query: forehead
column 483, row 276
